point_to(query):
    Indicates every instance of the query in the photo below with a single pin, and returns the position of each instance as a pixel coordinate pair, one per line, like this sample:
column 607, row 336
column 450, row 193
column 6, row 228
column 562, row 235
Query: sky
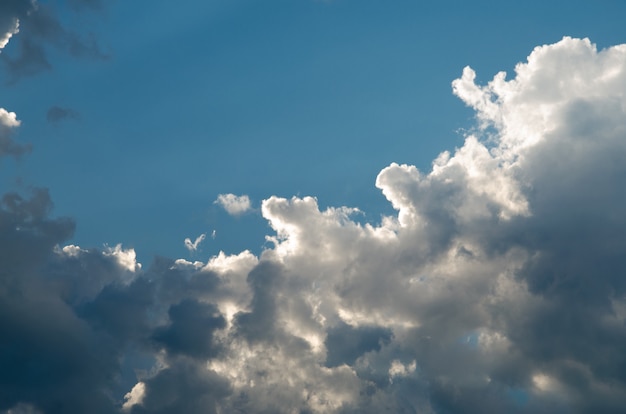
column 307, row 206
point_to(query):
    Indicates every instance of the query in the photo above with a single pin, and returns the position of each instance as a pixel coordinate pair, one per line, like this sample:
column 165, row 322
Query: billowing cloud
column 499, row 285
column 233, row 204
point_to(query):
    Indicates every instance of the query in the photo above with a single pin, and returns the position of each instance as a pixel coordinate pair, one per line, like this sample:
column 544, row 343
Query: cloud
column 40, row 28
column 192, row 247
column 9, row 27
column 234, row 205
column 191, row 327
column 57, row 113
column 496, row 287
column 8, row 123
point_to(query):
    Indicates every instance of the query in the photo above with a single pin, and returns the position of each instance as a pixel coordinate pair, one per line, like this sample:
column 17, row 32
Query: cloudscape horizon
column 496, row 283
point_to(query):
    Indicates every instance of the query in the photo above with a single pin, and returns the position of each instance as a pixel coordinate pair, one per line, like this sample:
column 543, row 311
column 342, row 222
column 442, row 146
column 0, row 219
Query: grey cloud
column 259, row 323
column 176, row 284
column 31, row 60
column 26, row 232
column 71, row 320
column 49, row 358
column 7, row 145
column 57, row 113
column 40, row 28
column 191, row 328
column 184, row 387
column 346, row 343
column 11, row 10
column 121, row 311
column 81, row 278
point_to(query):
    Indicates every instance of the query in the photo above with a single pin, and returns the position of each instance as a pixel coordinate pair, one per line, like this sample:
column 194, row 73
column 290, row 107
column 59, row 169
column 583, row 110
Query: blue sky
column 248, row 97
column 309, row 206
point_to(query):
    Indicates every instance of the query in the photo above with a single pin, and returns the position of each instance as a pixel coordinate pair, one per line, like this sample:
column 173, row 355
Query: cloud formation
column 40, row 28
column 499, row 285
column 56, row 114
column 8, row 124
column 193, row 246
column 233, row 204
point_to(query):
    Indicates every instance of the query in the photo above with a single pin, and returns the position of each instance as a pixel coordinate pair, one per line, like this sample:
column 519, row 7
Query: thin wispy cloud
column 193, row 246
column 57, row 114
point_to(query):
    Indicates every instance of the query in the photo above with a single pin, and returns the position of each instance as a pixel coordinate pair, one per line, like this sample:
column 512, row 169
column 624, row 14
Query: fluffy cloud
column 233, row 204
column 8, row 123
column 499, row 285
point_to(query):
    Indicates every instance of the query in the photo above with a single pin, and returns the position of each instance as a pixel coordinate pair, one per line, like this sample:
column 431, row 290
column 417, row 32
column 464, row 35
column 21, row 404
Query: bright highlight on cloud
column 233, row 204
column 8, row 124
column 11, row 27
column 499, row 285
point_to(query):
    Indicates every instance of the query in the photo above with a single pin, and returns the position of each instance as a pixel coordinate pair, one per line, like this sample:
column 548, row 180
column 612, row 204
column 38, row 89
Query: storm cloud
column 498, row 286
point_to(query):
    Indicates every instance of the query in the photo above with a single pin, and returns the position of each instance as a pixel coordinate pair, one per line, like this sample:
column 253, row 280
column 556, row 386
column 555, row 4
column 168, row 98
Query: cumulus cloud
column 233, row 204
column 498, row 286
column 8, row 123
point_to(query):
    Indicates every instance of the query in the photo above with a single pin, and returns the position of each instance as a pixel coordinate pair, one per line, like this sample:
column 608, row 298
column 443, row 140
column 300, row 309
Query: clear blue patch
column 519, row 396
column 470, row 340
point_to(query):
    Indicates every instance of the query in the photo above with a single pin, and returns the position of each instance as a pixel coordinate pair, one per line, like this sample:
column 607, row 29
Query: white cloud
column 233, row 204
column 134, row 396
column 11, row 29
column 8, row 123
column 193, row 246
column 8, row 119
column 127, row 259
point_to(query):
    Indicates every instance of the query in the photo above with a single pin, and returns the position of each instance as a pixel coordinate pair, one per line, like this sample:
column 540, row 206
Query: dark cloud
column 259, row 323
column 121, row 311
column 49, row 358
column 183, row 387
column 39, row 29
column 345, row 343
column 57, row 113
column 191, row 328
column 69, row 317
